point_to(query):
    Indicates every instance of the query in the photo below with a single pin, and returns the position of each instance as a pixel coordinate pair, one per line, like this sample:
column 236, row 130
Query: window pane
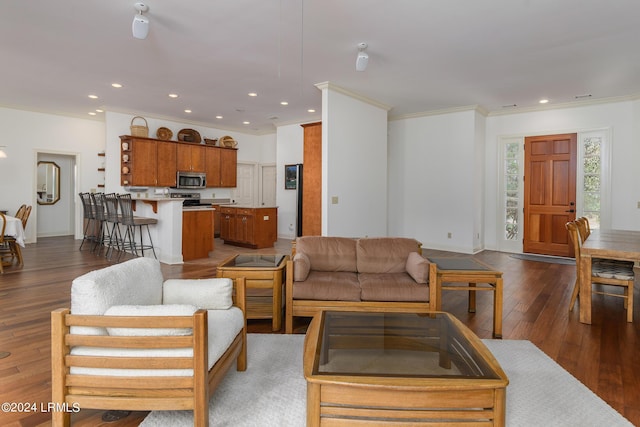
column 592, row 165
column 512, row 183
column 512, row 166
column 592, row 183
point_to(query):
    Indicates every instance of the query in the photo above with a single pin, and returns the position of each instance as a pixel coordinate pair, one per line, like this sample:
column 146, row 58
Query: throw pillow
column 418, row 267
column 301, row 267
column 150, row 310
column 210, row 294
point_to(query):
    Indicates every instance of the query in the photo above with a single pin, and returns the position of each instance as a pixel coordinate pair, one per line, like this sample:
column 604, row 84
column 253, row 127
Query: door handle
column 570, row 210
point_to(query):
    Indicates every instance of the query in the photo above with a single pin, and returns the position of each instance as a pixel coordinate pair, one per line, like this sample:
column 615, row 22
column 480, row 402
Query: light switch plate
column 334, row 200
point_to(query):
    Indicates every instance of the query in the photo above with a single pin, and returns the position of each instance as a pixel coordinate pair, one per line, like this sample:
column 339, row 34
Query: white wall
column 354, row 166
column 434, row 179
column 289, row 151
column 26, row 133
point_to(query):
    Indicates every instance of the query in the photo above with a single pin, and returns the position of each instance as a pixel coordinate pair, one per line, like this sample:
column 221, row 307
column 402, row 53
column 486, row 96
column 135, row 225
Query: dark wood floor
column 604, row 355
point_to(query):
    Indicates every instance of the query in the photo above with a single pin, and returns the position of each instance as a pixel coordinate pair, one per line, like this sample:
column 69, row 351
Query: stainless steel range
column 190, row 199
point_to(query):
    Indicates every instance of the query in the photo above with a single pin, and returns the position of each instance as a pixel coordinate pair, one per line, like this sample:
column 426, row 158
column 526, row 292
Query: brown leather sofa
column 368, row 274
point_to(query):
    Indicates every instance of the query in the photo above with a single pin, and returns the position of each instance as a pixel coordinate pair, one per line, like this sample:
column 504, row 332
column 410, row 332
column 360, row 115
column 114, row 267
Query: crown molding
column 99, row 117
column 563, row 105
column 477, row 108
column 347, row 92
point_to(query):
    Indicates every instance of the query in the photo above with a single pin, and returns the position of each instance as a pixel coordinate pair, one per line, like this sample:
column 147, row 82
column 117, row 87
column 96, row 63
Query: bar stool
column 113, row 218
column 88, row 216
column 131, row 223
column 103, row 233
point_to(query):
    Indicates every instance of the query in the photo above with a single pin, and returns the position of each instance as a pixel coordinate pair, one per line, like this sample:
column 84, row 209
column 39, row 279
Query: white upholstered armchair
column 132, row 341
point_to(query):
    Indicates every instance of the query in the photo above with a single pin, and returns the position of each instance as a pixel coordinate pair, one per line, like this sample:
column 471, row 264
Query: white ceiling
column 425, row 55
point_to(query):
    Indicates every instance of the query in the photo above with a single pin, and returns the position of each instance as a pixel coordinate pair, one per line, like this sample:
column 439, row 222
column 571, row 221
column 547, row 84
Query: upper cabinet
column 191, row 157
column 154, row 163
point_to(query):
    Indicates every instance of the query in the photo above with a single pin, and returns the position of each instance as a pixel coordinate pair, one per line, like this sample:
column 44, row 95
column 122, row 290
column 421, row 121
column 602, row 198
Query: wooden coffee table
column 264, row 277
column 469, row 274
column 400, row 369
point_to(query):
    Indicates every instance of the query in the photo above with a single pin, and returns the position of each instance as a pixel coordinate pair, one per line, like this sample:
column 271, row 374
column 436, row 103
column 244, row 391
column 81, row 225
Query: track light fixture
column 363, row 57
column 140, row 25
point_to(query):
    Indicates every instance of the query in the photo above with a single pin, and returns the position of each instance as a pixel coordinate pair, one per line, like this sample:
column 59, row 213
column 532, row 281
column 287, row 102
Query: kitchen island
column 249, row 226
column 167, row 233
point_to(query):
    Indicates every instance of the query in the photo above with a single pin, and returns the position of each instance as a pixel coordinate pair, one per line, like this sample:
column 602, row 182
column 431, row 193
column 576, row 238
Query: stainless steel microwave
column 191, row 180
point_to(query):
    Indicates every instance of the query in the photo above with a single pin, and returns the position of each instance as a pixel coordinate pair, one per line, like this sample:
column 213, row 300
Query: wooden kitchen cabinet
column 212, row 166
column 138, row 161
column 249, row 227
column 154, row 163
column 166, row 159
column 228, row 167
column 197, row 233
column 190, row 157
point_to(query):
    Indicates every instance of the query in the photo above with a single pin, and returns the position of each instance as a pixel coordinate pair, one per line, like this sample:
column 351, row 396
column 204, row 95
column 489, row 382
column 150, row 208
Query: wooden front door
column 549, row 193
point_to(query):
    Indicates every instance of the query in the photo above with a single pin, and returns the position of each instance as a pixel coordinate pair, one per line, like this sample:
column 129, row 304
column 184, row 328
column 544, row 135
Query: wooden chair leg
column 629, row 301
column 574, row 294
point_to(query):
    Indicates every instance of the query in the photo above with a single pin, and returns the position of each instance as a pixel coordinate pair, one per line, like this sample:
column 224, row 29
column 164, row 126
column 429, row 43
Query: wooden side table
column 469, row 274
column 264, row 276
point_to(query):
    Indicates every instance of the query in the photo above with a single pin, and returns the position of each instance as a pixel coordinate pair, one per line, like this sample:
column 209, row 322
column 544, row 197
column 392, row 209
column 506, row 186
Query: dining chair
column 131, row 223
column 583, row 228
column 25, row 216
column 9, row 247
column 603, row 272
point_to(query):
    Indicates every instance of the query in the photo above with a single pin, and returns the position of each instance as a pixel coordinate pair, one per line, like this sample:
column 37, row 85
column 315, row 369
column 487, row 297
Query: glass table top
column 410, row 345
column 255, row 260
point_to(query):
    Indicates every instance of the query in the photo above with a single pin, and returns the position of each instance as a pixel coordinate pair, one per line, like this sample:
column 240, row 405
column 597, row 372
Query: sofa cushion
column 223, row 326
column 384, row 254
column 150, row 310
column 418, row 267
column 301, row 266
column 391, row 287
column 328, row 286
column 211, row 294
column 134, row 282
column 328, row 253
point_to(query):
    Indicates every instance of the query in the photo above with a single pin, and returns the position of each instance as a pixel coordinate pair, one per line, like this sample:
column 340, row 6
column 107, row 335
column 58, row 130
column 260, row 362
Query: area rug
column 544, row 258
column 272, row 391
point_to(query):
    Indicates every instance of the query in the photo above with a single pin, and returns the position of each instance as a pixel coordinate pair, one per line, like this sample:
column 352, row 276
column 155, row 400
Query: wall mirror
column 48, row 183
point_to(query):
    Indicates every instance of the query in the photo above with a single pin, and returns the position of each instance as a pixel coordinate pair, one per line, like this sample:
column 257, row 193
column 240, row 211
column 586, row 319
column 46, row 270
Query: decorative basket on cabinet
column 139, row 130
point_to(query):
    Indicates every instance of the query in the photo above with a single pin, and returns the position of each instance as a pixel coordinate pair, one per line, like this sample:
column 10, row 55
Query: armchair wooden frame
column 140, row 392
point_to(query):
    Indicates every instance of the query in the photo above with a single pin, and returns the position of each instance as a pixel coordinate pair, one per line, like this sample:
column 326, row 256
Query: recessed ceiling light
column 173, row 95
column 99, row 111
column 218, row 117
column 93, row 96
column 116, row 85
column 311, row 110
column 246, row 123
column 252, row 94
column 187, row 111
column 543, row 101
column 92, row 113
column 284, row 103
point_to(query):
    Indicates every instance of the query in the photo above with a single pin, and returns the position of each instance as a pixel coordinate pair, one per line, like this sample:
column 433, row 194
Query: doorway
column 549, row 193
column 59, row 218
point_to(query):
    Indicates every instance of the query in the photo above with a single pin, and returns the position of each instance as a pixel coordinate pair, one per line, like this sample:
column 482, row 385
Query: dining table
column 604, row 243
column 14, row 229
